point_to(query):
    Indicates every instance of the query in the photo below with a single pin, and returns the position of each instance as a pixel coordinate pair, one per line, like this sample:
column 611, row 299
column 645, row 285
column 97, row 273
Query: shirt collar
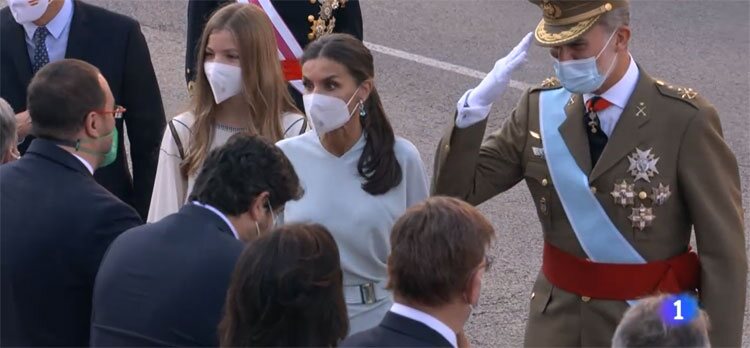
column 57, row 24
column 85, row 163
column 221, row 215
column 424, row 318
column 620, row 93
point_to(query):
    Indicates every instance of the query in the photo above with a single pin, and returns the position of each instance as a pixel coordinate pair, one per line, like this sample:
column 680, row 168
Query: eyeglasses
column 117, row 112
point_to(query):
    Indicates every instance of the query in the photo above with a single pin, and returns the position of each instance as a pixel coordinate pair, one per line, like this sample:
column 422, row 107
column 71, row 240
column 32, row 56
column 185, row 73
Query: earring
column 362, row 112
column 257, row 228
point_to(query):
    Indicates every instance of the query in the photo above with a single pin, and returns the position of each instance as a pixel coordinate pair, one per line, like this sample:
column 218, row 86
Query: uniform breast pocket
column 540, row 186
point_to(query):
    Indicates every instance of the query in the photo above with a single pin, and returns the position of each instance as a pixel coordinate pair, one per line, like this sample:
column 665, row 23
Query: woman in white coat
column 357, row 175
column 239, row 87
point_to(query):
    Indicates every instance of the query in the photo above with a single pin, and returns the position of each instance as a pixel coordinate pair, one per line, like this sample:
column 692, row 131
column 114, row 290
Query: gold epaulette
column 685, row 94
column 548, row 83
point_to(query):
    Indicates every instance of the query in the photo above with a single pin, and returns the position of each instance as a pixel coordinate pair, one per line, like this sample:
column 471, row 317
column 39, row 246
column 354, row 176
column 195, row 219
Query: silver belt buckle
column 368, row 293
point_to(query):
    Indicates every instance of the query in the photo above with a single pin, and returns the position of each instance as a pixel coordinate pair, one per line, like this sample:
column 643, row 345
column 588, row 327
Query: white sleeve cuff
column 466, row 115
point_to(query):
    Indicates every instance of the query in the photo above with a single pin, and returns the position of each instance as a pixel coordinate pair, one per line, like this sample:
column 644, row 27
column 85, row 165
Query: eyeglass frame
column 117, row 112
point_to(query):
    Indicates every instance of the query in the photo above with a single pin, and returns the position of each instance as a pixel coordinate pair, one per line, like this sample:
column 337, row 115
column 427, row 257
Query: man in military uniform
column 305, row 19
column 621, row 167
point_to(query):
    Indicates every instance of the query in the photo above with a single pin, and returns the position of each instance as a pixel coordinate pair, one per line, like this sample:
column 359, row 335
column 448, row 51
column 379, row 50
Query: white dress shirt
column 424, row 318
column 59, row 28
column 85, row 163
column 619, row 94
column 220, row 214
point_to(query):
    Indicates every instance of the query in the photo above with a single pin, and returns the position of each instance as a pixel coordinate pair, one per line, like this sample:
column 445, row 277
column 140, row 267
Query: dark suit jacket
column 294, row 13
column 397, row 331
column 114, row 44
column 165, row 283
column 55, row 224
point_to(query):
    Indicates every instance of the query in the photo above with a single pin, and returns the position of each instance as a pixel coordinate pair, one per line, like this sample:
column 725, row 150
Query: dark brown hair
column 435, row 248
column 378, row 163
column 235, row 173
column 286, row 291
column 60, row 96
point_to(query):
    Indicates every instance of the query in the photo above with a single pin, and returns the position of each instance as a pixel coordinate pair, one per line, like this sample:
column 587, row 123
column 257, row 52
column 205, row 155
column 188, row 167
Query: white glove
column 495, row 83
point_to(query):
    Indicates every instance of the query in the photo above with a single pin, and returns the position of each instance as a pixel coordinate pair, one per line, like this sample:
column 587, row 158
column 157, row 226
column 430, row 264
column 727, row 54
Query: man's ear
column 623, row 38
column 259, row 206
column 93, row 125
column 474, row 288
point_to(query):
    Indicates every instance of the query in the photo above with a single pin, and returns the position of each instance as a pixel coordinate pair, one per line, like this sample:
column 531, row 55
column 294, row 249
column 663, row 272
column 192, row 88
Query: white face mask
column 23, row 12
column 225, row 80
column 327, row 113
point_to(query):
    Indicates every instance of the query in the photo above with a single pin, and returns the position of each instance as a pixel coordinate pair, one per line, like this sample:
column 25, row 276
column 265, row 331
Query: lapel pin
column 641, row 110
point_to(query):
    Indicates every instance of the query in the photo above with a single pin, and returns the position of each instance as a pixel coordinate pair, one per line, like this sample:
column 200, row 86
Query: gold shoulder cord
column 325, row 22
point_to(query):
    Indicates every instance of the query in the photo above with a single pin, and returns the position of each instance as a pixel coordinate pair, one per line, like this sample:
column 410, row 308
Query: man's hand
column 23, row 125
column 495, row 83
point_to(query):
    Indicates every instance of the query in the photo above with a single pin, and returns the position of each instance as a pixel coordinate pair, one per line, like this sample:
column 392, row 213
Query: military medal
column 642, row 217
column 326, row 22
column 623, row 194
column 643, row 165
column 660, row 194
column 592, row 123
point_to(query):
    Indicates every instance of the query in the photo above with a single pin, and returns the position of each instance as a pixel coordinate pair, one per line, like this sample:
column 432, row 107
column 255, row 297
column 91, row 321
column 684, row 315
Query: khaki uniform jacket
column 683, row 131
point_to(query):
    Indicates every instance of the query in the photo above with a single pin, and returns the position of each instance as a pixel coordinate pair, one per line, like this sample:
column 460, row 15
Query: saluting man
column 297, row 23
column 621, row 167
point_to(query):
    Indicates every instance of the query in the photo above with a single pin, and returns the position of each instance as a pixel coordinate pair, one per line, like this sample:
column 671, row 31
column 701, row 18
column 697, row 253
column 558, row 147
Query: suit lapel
column 80, row 33
column 19, row 52
column 625, row 138
column 574, row 133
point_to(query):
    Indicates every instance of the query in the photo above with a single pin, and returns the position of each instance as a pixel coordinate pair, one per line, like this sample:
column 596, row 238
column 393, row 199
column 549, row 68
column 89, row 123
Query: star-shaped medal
column 643, row 165
column 623, row 194
column 660, row 194
column 642, row 217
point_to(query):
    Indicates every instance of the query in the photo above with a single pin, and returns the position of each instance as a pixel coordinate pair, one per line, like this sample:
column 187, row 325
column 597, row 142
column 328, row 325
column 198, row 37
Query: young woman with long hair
column 239, row 87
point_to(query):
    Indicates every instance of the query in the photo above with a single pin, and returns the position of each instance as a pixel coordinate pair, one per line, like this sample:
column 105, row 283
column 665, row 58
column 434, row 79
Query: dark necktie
column 41, row 56
column 597, row 137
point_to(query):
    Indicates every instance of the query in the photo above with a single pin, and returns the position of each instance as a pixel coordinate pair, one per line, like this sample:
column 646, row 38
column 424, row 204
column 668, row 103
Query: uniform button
column 545, row 182
column 533, row 295
column 585, row 298
column 593, row 189
column 643, row 195
column 447, row 147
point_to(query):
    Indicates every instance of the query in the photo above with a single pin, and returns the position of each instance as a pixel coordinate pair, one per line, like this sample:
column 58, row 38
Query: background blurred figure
column 165, row 283
column 239, row 88
column 292, row 20
column 56, row 222
column 8, row 136
column 358, row 175
column 286, row 292
column 437, row 263
column 37, row 32
column 643, row 326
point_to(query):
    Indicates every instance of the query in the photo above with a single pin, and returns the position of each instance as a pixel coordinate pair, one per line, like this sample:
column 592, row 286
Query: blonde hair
column 264, row 87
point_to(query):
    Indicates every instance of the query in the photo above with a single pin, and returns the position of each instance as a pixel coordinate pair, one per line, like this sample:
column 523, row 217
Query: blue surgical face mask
column 582, row 75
